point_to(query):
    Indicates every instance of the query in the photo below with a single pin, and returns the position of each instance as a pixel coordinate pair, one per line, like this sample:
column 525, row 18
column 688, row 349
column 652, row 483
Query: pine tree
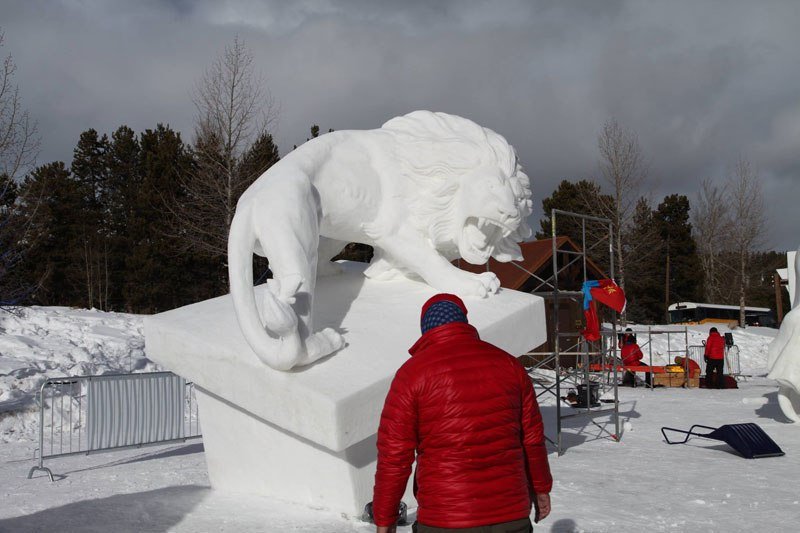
column 158, row 275
column 665, row 266
column 644, row 290
column 122, row 215
column 11, row 250
column 90, row 172
column 257, row 160
column 574, row 198
column 52, row 201
column 683, row 280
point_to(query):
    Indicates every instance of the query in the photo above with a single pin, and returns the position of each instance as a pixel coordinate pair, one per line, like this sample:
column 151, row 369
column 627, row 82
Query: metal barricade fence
column 85, row 414
column 731, row 366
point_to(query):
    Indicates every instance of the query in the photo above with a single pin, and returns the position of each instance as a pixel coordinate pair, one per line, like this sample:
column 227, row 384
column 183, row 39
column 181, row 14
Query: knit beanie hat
column 442, row 309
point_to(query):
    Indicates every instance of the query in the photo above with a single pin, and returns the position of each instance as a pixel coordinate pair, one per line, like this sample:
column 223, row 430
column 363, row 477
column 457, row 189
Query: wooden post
column 778, row 298
column 666, row 291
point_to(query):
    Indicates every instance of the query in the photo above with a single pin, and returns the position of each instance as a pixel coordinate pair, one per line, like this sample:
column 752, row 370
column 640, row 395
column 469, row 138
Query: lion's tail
column 283, row 350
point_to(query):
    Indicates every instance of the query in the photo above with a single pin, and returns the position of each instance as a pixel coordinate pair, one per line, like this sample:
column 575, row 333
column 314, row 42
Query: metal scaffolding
column 589, row 367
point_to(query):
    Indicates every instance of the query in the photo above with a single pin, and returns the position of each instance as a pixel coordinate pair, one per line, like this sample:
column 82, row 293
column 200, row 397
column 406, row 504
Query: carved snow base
column 247, row 454
column 308, row 435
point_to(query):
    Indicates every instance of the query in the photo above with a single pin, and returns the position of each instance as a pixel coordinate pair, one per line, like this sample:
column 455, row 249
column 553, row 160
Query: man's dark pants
column 714, row 377
column 517, row 526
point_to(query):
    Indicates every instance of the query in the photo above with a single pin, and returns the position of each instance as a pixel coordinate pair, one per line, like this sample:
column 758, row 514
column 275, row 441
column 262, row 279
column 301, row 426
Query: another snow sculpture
column 784, row 356
column 423, row 189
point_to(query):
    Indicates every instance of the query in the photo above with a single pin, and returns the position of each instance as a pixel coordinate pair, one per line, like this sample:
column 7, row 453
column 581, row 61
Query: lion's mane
column 433, row 151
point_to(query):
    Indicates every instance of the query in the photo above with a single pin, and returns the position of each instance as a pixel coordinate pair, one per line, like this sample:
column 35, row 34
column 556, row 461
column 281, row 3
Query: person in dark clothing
column 714, row 356
column 627, row 336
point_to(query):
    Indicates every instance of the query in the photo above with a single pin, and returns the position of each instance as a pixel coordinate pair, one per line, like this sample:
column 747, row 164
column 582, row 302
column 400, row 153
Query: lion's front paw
column 489, row 282
column 468, row 285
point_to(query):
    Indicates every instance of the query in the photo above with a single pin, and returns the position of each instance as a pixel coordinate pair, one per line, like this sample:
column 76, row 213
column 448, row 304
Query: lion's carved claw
column 469, row 285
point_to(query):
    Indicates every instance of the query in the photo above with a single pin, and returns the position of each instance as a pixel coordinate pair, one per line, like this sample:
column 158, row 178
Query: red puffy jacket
column 631, row 354
column 469, row 412
column 715, row 346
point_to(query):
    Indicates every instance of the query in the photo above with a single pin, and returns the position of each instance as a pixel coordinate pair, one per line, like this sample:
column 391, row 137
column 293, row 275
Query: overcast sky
column 701, row 82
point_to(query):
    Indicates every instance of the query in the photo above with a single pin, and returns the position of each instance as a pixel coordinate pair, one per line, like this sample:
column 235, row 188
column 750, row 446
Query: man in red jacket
column 715, row 360
column 468, row 411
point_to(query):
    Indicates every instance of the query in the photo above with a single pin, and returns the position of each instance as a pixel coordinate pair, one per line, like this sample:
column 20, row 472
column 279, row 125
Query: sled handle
column 688, row 433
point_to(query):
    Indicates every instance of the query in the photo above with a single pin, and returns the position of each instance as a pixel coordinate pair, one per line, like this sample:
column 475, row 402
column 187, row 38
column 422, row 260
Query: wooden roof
column 536, row 256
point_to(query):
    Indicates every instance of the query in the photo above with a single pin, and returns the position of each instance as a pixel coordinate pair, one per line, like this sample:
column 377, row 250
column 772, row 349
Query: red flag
column 592, row 331
column 607, row 292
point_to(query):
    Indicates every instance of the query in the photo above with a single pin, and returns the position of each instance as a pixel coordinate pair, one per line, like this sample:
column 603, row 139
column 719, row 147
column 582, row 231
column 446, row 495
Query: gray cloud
column 702, row 83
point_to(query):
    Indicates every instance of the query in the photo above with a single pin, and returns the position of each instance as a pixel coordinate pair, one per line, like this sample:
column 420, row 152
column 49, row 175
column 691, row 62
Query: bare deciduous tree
column 749, row 222
column 623, row 170
column 19, row 145
column 711, row 224
column 234, row 111
column 19, row 141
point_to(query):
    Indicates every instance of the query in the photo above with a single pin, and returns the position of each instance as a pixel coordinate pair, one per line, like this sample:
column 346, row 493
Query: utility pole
column 666, row 292
column 778, row 297
column 666, row 287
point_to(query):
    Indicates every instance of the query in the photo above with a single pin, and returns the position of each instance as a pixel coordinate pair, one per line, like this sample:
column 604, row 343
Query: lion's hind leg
column 287, row 225
column 322, row 343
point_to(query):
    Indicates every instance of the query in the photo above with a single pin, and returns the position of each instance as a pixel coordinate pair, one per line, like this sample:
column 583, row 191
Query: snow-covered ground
column 637, row 484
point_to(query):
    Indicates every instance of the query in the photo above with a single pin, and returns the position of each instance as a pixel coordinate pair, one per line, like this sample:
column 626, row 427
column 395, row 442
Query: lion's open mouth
column 479, row 237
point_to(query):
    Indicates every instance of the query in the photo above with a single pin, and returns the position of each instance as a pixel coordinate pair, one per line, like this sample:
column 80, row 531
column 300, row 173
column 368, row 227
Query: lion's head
column 473, row 198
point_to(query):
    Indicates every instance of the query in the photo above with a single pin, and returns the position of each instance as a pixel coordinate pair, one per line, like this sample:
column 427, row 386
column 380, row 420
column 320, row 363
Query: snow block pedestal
column 308, row 435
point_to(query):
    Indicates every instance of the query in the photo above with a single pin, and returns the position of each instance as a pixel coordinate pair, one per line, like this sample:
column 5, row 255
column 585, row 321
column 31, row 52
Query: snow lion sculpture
column 423, row 190
column 784, row 355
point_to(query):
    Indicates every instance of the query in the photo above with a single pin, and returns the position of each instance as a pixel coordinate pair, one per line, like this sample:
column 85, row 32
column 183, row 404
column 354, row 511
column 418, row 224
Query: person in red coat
column 715, row 360
column 631, row 355
column 468, row 412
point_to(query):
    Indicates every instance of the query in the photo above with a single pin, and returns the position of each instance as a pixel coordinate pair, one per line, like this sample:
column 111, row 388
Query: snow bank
column 37, row 343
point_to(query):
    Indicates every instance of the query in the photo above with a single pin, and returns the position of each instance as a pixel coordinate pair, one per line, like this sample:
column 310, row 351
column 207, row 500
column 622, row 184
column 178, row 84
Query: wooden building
column 534, row 274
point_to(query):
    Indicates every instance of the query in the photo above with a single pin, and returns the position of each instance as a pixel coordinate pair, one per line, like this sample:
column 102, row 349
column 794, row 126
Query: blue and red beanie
column 442, row 309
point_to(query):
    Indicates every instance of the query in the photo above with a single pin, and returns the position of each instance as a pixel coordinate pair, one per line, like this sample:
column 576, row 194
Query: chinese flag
column 592, row 331
column 608, row 293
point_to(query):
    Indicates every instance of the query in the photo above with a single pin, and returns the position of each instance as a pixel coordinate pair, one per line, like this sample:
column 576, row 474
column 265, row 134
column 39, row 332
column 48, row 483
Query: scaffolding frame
column 588, row 356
